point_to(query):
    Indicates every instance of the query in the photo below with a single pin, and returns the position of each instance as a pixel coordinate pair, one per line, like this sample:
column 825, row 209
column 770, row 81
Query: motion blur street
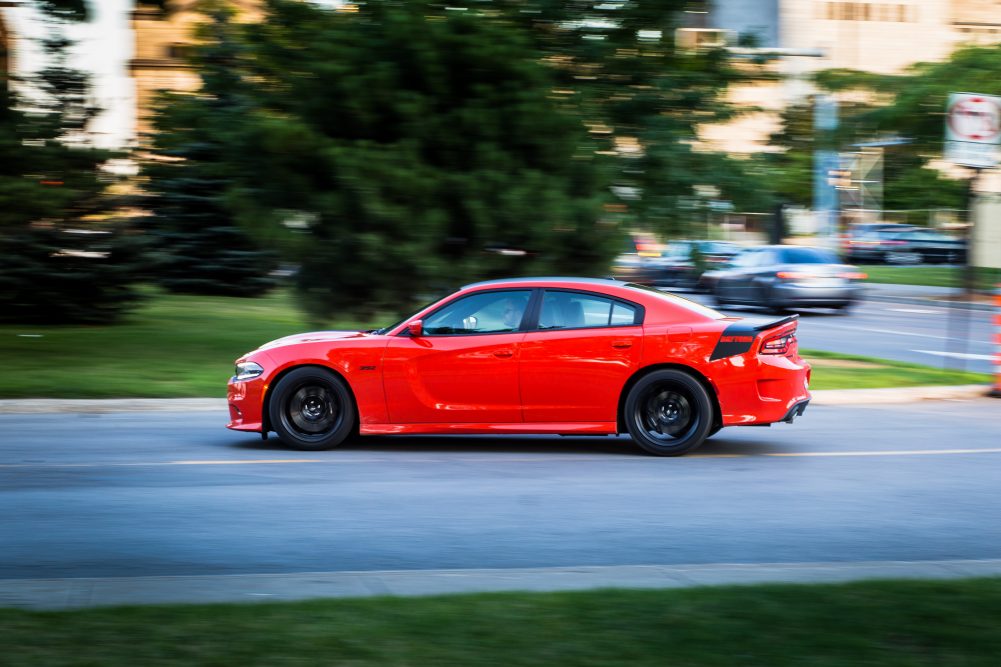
column 142, row 494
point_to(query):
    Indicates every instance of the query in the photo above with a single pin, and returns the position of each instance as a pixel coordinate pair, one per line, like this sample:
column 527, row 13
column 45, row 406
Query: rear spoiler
column 739, row 336
column 777, row 323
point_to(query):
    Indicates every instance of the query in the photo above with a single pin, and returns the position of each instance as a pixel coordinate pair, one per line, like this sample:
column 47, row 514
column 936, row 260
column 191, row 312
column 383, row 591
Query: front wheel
column 668, row 413
column 311, row 409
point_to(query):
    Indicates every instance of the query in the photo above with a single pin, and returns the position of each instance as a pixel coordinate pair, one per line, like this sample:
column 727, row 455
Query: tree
column 64, row 259
column 405, row 149
column 198, row 246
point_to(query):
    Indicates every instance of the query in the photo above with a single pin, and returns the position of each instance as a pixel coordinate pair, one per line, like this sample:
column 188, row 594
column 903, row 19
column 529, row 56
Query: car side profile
column 539, row 355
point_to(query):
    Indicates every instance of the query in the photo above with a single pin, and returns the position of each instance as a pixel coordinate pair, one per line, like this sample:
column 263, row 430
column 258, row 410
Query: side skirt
column 598, row 428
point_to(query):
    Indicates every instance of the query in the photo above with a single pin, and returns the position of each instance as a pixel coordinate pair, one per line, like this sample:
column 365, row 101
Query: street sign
column 973, row 130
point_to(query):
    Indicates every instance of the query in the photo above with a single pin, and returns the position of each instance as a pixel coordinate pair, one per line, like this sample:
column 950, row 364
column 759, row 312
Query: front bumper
column 245, row 399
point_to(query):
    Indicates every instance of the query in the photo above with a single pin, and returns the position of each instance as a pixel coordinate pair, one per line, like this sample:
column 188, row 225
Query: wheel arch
column 266, row 403
column 620, row 418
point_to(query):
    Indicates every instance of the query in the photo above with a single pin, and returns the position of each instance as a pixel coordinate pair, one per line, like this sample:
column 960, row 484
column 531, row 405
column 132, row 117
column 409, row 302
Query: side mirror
column 415, row 328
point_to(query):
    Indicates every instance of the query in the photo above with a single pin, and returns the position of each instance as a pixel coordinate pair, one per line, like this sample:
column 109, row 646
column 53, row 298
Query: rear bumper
column 772, row 389
column 788, row 295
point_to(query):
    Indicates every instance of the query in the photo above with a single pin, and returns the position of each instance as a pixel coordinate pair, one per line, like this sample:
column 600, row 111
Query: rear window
column 681, row 302
column 807, row 256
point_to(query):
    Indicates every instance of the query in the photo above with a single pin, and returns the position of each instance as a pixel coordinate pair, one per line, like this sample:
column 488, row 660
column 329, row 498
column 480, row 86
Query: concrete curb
column 929, row 301
column 824, row 397
column 110, row 591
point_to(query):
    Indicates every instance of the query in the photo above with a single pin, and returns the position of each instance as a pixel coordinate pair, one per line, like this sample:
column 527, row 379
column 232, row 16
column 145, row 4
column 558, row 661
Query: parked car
column 529, row 355
column 925, row 246
column 638, row 260
column 869, row 242
column 782, row 277
column 681, row 264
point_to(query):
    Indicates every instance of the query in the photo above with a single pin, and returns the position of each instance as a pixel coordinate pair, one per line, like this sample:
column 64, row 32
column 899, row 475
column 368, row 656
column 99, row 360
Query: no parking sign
column 973, row 130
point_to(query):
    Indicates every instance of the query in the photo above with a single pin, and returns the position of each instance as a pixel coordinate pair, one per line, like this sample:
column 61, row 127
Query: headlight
column 247, row 370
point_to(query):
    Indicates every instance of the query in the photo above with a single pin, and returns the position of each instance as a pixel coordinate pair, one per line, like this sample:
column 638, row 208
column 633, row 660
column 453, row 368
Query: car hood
column 314, row 337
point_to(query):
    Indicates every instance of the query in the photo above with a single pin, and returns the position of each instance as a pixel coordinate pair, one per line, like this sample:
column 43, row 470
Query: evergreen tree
column 199, row 248
column 64, row 260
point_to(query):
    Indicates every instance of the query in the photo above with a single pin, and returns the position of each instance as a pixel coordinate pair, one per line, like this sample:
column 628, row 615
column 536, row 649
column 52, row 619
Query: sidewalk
column 52, row 594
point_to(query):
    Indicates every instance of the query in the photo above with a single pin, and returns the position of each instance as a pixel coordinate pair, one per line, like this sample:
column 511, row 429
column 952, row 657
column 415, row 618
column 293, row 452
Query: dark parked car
column 781, row 277
column 680, row 265
column 925, row 246
column 868, row 242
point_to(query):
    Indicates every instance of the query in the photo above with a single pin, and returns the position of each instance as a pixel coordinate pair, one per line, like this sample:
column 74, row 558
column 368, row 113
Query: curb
column 929, row 301
column 53, row 594
column 882, row 396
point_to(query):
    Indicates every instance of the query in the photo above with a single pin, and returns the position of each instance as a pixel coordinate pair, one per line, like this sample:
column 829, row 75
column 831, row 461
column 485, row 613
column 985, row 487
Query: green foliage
column 409, row 152
column 198, row 246
column 916, row 100
column 64, row 260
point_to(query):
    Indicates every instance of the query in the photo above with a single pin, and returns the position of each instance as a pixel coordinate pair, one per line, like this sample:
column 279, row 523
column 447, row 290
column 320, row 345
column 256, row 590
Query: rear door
column 575, row 362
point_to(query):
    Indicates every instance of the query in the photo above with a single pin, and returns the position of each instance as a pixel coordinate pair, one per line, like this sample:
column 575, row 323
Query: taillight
column 792, row 275
column 854, row 276
column 779, row 344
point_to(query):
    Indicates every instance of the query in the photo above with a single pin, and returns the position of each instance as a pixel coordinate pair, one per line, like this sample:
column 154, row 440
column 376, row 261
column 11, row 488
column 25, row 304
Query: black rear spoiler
column 739, row 336
column 777, row 323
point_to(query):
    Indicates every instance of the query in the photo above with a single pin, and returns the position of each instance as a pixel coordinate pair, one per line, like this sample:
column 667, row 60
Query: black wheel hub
column 312, row 410
column 667, row 413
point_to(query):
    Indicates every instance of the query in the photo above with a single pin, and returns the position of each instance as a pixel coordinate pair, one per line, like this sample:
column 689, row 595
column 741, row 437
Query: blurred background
column 362, row 157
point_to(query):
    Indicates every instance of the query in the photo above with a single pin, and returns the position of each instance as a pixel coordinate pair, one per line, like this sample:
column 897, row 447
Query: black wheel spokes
column 667, row 414
column 312, row 410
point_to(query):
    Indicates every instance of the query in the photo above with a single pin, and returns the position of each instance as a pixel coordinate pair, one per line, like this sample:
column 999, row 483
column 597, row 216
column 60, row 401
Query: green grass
column 184, row 346
column 173, row 346
column 931, row 275
column 892, row 624
column 832, row 370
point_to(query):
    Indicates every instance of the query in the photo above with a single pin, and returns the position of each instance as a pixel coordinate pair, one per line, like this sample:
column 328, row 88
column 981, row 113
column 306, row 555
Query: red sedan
column 529, row 355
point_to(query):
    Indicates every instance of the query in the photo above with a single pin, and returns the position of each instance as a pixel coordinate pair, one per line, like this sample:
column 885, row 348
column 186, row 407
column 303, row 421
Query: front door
column 463, row 368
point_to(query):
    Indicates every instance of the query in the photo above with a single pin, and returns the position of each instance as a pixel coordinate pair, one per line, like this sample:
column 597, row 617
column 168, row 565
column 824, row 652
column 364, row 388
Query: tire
column 765, row 301
column 668, row 413
column 311, row 409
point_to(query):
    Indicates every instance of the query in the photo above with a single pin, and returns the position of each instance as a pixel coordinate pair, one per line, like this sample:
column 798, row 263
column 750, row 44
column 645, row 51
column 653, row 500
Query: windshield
column 688, row 304
column 808, row 256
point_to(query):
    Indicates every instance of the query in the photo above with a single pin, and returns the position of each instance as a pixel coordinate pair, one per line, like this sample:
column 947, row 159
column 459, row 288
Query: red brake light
column 855, row 276
column 779, row 344
column 791, row 275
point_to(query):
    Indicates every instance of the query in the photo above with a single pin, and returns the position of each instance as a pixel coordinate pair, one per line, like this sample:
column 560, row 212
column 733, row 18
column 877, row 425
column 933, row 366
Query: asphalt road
column 919, row 333
column 141, row 494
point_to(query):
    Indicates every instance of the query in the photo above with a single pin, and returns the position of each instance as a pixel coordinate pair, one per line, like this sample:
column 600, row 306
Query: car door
column 730, row 285
column 463, row 367
column 577, row 359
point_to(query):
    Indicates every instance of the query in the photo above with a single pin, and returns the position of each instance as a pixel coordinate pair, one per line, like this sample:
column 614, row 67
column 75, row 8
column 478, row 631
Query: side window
column 486, row 312
column 746, row 258
column 573, row 310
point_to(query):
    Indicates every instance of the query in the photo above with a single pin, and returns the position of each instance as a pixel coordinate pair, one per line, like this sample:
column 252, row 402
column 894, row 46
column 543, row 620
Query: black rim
column 667, row 413
column 312, row 411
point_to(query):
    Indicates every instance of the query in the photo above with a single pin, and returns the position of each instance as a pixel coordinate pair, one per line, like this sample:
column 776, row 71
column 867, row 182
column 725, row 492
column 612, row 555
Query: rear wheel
column 311, row 409
column 668, row 413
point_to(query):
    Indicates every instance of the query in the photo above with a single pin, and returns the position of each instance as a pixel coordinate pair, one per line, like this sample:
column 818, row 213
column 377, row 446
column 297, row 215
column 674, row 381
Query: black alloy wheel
column 668, row 413
column 311, row 409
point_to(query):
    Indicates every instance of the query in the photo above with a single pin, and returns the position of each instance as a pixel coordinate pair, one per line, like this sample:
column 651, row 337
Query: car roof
column 544, row 280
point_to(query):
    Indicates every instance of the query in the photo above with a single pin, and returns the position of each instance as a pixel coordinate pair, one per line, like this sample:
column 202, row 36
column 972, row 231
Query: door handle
column 622, row 344
column 503, row 354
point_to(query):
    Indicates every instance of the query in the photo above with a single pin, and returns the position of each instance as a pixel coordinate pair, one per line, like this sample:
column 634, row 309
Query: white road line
column 894, row 332
column 957, row 355
column 891, row 452
column 919, row 311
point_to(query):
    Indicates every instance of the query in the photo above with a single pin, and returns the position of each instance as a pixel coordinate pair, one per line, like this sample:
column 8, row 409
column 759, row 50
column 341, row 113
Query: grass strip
column 930, row 275
column 832, row 370
column 889, row 623
column 183, row 346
